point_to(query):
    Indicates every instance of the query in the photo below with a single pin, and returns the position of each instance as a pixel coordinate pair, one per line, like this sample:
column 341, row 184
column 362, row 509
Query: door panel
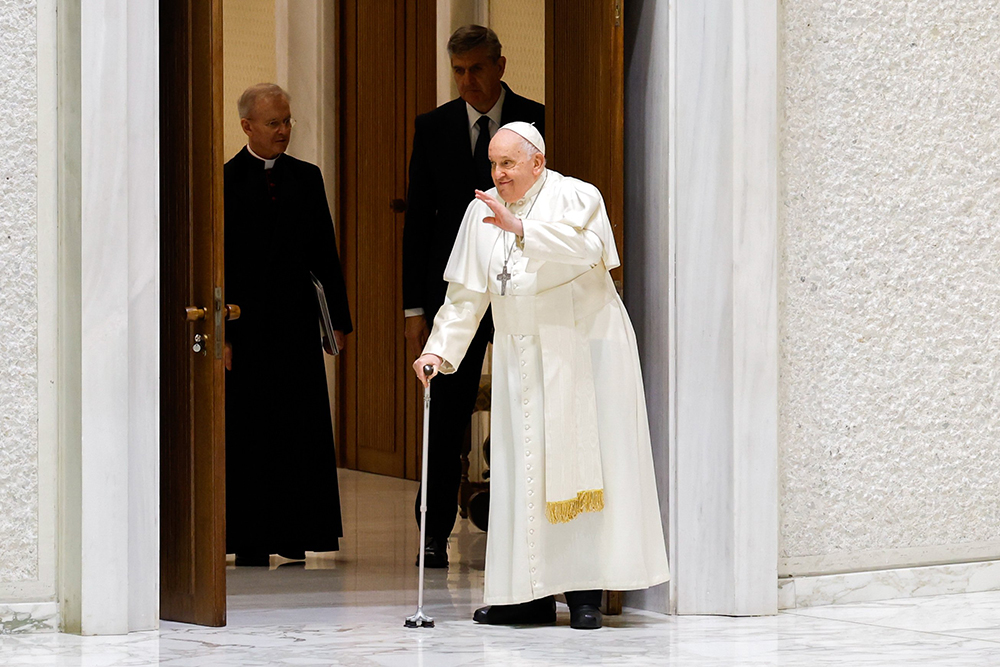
column 192, row 412
column 584, row 98
column 387, row 77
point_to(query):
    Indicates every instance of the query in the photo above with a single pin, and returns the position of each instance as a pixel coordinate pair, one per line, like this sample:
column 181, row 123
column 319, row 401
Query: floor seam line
column 891, row 627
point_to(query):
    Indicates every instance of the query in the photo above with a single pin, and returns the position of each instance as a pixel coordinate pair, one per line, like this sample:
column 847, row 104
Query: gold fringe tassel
column 567, row 510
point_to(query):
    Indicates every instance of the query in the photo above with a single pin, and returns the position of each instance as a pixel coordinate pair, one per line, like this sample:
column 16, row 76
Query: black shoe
column 536, row 612
column 253, row 559
column 435, row 552
column 585, row 617
column 293, row 555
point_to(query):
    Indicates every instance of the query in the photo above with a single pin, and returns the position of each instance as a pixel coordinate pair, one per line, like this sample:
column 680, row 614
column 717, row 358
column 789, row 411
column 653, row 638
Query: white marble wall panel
column 143, row 317
column 29, row 617
column 725, row 185
column 110, row 538
column 704, row 224
column 889, row 584
column 105, row 300
column 755, row 299
column 889, row 422
column 19, row 474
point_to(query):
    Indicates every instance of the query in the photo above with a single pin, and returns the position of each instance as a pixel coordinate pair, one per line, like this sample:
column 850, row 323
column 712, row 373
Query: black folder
column 325, row 323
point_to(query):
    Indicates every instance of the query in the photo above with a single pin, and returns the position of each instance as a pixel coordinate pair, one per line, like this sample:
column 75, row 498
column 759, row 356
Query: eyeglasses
column 289, row 123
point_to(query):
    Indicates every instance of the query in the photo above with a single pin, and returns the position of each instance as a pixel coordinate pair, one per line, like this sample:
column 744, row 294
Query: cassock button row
column 520, row 337
column 531, row 518
column 531, row 506
column 531, row 531
column 525, row 401
column 533, row 570
column 527, row 453
column 532, row 556
column 532, row 546
column 526, row 415
column 527, row 427
column 527, row 439
column 524, row 376
column 527, row 467
column 523, row 362
column 531, row 493
column 529, row 480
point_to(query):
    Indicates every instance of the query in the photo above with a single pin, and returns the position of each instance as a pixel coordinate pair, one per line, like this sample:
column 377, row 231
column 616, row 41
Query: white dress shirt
column 495, row 114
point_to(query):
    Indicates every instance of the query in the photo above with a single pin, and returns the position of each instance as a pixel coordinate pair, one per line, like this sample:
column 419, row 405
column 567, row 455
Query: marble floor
column 348, row 609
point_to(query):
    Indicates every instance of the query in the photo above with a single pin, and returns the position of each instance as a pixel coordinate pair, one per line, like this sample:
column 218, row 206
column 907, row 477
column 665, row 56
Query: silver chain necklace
column 504, row 276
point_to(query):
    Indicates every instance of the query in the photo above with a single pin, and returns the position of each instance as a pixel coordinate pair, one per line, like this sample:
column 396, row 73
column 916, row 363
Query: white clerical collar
column 494, row 113
column 268, row 163
column 529, row 196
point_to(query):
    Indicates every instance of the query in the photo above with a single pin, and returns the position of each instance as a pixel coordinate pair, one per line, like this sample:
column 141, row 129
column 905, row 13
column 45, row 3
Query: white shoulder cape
column 562, row 199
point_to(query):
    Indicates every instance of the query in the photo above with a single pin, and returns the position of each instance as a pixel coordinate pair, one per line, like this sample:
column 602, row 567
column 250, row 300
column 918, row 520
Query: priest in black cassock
column 281, row 466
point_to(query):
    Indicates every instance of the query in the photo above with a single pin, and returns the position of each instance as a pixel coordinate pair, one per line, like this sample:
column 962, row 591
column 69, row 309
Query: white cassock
column 559, row 298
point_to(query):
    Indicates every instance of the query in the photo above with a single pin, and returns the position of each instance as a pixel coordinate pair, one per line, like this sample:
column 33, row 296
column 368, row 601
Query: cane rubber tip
column 409, row 624
column 428, row 370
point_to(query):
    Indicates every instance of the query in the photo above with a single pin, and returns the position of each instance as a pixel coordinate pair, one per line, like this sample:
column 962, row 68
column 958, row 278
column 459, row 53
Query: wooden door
column 192, row 385
column 585, row 99
column 387, row 77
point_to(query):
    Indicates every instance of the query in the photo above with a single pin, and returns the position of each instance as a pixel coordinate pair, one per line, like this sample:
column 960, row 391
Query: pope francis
column 573, row 505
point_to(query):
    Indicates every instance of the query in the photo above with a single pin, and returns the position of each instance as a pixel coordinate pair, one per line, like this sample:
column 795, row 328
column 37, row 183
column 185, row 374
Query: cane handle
column 428, row 371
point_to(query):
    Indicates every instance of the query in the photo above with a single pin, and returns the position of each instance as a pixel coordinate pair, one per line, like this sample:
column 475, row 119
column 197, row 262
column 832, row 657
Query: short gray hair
column 253, row 94
column 470, row 37
column 530, row 149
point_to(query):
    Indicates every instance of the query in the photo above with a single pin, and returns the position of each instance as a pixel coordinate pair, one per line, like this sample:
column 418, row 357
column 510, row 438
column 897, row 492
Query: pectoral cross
column 504, row 277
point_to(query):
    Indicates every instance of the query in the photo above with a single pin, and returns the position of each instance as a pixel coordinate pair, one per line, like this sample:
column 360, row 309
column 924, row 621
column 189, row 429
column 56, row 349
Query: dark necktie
column 481, row 156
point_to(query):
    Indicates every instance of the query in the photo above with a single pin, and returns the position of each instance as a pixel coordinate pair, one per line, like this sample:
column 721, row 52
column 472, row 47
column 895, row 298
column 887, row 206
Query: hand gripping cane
column 420, row 619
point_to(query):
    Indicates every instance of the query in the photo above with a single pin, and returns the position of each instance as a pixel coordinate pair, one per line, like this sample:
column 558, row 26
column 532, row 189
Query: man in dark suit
column 449, row 162
column 281, row 467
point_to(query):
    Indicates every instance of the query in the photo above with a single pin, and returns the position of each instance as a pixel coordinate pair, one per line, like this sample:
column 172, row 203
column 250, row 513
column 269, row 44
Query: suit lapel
column 511, row 106
column 458, row 125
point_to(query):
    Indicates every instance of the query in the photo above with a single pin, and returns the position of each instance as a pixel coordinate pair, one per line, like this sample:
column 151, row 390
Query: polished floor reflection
column 348, row 609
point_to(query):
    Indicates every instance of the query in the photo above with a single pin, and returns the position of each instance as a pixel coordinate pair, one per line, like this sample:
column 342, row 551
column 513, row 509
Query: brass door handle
column 193, row 314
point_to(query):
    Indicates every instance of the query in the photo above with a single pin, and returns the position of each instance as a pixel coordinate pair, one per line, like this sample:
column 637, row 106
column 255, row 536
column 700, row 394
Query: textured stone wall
column 890, row 275
column 18, row 294
column 249, row 55
column 520, row 25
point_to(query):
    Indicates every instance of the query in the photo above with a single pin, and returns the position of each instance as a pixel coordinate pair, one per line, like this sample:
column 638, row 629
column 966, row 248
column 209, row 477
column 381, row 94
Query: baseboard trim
column 29, row 617
column 907, row 582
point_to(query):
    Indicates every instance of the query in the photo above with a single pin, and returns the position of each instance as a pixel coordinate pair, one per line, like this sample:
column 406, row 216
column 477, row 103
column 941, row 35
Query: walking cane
column 420, row 619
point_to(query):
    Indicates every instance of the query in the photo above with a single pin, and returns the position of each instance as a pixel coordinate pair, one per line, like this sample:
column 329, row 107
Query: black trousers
column 453, row 397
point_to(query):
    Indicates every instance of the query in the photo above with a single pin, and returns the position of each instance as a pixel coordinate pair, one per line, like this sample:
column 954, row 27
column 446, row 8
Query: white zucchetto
column 528, row 132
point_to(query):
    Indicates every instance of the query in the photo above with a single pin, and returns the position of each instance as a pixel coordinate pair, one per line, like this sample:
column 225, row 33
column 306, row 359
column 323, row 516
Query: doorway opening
column 359, row 72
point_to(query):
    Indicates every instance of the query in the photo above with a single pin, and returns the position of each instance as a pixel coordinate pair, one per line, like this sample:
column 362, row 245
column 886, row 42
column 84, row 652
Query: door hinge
column 618, row 13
